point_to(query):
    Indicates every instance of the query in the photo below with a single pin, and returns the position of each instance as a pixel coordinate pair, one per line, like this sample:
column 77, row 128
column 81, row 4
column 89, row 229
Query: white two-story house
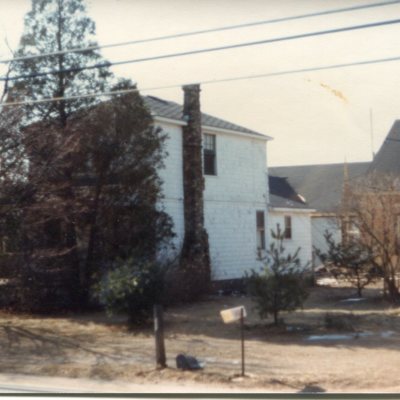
column 235, row 193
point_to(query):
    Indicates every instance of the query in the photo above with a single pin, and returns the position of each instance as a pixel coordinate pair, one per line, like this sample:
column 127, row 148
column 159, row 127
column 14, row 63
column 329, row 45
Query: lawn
column 298, row 356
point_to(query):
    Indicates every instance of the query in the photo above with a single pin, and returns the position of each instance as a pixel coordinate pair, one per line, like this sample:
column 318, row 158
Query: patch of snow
column 349, row 336
column 327, row 282
column 362, row 334
column 292, row 328
column 387, row 334
column 330, row 337
column 351, row 300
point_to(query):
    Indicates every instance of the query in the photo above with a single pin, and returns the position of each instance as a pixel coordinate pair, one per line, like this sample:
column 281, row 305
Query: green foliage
column 351, row 261
column 133, row 287
column 53, row 26
column 81, row 176
column 281, row 285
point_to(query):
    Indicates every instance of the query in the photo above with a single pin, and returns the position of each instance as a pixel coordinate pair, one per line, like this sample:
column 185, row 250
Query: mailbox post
column 232, row 315
column 159, row 337
column 242, row 336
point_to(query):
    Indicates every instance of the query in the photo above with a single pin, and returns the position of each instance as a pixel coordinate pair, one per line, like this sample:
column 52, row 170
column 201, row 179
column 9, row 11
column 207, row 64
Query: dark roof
column 282, row 195
column 169, row 109
column 320, row 185
column 279, row 186
column 281, row 202
column 387, row 160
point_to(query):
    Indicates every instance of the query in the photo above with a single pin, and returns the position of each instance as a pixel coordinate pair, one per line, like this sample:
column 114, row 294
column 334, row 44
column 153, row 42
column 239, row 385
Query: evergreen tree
column 55, row 26
column 91, row 186
column 281, row 284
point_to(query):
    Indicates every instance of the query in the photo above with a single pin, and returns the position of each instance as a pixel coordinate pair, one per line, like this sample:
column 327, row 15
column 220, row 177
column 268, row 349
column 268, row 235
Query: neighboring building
column 387, row 160
column 321, row 186
column 235, row 194
column 289, row 210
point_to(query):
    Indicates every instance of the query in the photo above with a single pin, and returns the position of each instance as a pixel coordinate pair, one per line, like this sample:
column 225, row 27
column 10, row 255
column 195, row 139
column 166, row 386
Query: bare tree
column 372, row 204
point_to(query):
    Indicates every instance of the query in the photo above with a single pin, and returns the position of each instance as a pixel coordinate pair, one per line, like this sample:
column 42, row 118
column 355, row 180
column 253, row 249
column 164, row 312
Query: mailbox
column 233, row 314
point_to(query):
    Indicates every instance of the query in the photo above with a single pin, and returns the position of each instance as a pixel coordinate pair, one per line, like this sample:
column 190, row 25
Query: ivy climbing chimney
column 195, row 256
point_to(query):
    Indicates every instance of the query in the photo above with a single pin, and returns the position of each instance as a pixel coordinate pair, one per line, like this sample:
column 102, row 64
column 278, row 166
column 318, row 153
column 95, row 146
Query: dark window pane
column 209, row 163
column 260, row 219
column 209, row 155
column 260, row 230
column 288, row 227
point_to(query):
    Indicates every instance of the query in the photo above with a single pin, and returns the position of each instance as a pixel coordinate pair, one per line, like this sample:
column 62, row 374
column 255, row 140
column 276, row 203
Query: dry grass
column 94, row 346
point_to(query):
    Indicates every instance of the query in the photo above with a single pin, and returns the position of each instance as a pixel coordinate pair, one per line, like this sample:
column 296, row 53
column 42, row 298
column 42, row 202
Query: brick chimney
column 195, row 258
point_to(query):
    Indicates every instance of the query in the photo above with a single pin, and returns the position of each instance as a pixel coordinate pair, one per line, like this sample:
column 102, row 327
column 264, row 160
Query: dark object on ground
column 185, row 362
column 312, row 389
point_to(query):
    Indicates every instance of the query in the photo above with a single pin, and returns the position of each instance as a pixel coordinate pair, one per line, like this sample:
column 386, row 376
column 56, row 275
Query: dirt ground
column 298, row 356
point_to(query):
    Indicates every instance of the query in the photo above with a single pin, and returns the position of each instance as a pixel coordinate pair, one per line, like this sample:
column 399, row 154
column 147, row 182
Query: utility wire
column 201, row 32
column 206, row 50
column 207, row 82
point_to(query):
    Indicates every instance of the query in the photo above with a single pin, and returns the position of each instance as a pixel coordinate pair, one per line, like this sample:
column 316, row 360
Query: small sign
column 233, row 314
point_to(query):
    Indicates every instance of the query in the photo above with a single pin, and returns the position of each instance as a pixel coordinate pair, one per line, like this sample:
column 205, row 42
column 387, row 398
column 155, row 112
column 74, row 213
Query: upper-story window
column 209, row 155
column 287, row 233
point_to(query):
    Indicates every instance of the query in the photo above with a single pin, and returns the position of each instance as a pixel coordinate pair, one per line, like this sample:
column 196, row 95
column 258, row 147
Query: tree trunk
column 276, row 315
column 87, row 271
column 393, row 294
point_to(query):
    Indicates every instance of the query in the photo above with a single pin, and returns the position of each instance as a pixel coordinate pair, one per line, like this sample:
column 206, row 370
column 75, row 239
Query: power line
column 310, row 69
column 206, row 50
column 203, row 31
column 207, row 82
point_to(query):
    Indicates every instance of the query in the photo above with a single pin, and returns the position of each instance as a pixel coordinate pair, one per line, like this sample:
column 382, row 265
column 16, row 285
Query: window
column 209, row 155
column 350, row 230
column 260, row 230
column 287, row 233
column 353, row 231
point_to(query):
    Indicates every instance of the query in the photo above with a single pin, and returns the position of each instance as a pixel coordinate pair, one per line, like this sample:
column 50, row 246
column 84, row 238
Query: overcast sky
column 314, row 117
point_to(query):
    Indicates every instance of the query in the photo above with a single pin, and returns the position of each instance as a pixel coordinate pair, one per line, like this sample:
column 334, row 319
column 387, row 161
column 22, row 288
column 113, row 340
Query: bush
column 339, row 322
column 351, row 261
column 133, row 287
column 281, row 285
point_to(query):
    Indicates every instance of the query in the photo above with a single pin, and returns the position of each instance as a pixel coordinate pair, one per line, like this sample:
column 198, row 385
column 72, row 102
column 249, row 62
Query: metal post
column 159, row 336
column 242, row 336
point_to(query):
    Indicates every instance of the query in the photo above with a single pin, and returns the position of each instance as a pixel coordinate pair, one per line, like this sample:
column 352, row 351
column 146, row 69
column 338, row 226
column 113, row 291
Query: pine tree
column 91, row 186
column 55, row 26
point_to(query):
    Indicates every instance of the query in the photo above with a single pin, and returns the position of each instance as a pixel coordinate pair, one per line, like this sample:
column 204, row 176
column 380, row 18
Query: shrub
column 133, row 287
column 351, row 261
column 281, row 284
column 339, row 322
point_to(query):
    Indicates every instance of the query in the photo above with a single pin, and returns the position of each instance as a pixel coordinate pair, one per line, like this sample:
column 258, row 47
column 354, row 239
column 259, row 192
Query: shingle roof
column 169, row 109
column 279, row 186
column 282, row 194
column 387, row 160
column 320, row 185
column 282, row 202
